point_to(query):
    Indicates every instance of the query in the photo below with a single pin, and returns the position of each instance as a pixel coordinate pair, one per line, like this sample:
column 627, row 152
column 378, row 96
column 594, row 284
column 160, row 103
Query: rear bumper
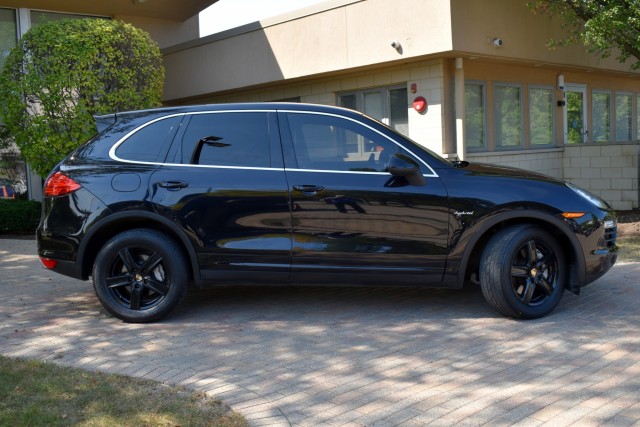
column 66, row 268
column 62, row 249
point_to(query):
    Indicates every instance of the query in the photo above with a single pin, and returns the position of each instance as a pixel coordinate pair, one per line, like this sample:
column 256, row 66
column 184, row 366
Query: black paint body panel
column 282, row 224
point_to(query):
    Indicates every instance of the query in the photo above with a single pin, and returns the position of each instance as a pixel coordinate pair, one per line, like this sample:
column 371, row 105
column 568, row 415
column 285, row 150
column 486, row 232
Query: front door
column 352, row 220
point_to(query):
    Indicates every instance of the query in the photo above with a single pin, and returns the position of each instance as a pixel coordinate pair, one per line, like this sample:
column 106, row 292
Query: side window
column 151, row 143
column 332, row 143
column 227, row 139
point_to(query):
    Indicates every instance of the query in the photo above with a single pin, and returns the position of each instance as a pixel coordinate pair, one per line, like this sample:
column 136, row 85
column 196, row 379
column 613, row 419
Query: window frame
column 17, row 34
column 291, row 162
column 636, row 105
column 595, row 92
column 62, row 16
column 385, row 91
column 497, row 146
column 530, row 143
column 163, row 149
column 188, row 123
column 485, row 134
column 630, row 134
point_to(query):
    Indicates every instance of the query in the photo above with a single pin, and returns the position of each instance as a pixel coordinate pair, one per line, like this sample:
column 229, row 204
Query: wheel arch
column 119, row 222
column 478, row 239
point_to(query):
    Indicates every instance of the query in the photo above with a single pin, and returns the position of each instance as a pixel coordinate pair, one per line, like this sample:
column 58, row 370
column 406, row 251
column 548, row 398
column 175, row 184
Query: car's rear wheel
column 522, row 272
column 140, row 275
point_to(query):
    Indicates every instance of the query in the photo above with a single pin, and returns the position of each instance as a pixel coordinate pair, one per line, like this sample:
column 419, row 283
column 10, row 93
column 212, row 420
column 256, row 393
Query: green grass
column 34, row 393
column 629, row 248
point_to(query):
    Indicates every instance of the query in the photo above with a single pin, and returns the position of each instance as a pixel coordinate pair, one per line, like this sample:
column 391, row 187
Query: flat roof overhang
column 159, row 9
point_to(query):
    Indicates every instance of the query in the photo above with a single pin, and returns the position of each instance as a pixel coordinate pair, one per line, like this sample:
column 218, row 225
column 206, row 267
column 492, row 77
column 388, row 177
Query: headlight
column 590, row 197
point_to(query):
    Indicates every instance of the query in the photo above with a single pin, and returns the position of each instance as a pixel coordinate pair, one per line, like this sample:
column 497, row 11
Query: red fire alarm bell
column 420, row 104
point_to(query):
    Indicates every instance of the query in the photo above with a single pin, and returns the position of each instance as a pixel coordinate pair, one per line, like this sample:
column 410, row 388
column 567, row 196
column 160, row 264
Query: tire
column 140, row 275
column 522, row 272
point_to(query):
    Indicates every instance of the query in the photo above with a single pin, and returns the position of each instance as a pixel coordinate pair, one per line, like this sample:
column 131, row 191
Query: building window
column 601, row 116
column 624, row 113
column 508, row 116
column 388, row 104
column 39, row 17
column 540, row 116
column 8, row 33
column 475, row 116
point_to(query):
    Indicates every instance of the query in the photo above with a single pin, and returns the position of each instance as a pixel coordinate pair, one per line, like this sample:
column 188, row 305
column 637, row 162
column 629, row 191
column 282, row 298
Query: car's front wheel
column 140, row 275
column 522, row 272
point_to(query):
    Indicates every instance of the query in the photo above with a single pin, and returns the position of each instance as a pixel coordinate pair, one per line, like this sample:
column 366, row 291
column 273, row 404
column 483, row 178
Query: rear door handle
column 173, row 185
column 308, row 189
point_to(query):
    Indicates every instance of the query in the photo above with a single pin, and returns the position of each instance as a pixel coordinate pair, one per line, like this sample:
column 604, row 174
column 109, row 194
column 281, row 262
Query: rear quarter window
column 151, row 142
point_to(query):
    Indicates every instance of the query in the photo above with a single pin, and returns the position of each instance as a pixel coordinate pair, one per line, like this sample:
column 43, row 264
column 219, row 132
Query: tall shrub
column 64, row 72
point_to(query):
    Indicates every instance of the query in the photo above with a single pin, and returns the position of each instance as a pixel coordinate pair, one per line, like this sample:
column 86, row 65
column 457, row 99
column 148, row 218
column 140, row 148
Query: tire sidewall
column 174, row 270
column 520, row 238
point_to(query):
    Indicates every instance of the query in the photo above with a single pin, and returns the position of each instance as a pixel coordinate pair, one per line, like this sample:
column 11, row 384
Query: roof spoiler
column 105, row 121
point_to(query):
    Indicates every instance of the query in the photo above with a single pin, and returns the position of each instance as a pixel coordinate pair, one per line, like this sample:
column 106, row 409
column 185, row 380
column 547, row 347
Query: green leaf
column 63, row 72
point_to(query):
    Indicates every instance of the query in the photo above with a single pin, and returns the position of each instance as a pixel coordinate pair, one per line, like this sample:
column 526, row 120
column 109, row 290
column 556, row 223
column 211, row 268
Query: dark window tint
column 227, row 139
column 151, row 143
column 332, row 143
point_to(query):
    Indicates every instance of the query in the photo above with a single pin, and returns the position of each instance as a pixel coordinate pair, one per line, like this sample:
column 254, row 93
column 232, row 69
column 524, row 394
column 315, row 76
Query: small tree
column 601, row 25
column 64, row 72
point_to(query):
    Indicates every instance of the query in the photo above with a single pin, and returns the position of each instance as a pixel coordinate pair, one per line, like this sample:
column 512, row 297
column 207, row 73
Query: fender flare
column 576, row 276
column 127, row 216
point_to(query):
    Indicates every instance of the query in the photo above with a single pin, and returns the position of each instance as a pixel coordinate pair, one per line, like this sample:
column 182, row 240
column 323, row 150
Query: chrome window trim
column 113, row 156
column 112, row 150
column 432, row 174
column 348, row 172
column 114, row 147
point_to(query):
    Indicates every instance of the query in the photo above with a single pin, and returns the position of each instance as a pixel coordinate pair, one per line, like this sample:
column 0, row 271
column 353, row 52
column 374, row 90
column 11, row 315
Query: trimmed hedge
column 19, row 216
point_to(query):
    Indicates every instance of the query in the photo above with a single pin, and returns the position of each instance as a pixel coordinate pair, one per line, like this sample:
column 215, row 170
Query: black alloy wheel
column 522, row 272
column 140, row 275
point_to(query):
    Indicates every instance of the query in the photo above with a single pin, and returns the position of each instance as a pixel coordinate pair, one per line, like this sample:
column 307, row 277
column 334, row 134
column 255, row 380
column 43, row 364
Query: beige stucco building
column 494, row 92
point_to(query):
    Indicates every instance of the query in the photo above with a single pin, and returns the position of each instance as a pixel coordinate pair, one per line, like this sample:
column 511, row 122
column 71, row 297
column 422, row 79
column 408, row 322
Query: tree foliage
column 601, row 25
column 62, row 73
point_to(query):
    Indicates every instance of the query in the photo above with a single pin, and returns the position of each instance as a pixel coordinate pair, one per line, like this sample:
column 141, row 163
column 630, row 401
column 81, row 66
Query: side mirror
column 404, row 166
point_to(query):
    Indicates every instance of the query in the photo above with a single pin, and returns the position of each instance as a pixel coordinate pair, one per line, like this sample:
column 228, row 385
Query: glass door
column 575, row 115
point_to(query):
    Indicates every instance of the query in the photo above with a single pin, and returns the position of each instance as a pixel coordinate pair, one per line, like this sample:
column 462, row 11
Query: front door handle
column 309, row 190
column 173, row 185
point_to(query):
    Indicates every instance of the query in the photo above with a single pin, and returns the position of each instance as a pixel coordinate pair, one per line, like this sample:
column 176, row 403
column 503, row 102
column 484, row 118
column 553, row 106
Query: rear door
column 352, row 220
column 225, row 186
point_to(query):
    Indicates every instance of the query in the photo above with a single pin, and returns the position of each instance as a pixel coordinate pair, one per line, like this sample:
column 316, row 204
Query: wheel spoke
column 546, row 286
column 519, row 271
column 157, row 286
column 129, row 263
column 150, row 264
column 118, row 281
column 136, row 297
column 527, row 294
column 532, row 253
column 545, row 262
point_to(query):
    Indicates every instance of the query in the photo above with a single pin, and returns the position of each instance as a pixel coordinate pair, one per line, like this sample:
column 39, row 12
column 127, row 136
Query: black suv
column 307, row 194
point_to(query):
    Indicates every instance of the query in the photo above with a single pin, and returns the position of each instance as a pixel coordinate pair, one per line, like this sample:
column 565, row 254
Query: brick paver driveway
column 330, row 356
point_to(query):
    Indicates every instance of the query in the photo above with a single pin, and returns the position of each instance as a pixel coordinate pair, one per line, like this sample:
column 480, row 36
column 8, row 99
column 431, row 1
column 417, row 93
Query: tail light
column 48, row 262
column 59, row 184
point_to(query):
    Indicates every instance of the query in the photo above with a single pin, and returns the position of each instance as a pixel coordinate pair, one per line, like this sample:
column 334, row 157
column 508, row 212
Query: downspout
column 34, row 181
column 461, row 148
